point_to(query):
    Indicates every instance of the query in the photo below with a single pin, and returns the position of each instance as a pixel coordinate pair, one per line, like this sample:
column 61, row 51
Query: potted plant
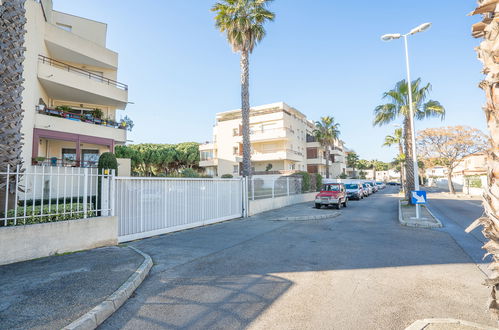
column 126, row 123
column 39, row 160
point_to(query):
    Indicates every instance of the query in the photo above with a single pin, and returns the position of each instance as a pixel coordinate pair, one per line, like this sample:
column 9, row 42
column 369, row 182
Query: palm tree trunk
column 409, row 166
column 328, row 155
column 402, row 178
column 245, row 112
column 12, row 21
column 490, row 221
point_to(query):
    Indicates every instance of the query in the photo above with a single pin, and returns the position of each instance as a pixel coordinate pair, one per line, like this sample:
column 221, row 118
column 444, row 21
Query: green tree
column 12, row 32
column 397, row 139
column 398, row 106
column 327, row 132
column 352, row 161
column 243, row 22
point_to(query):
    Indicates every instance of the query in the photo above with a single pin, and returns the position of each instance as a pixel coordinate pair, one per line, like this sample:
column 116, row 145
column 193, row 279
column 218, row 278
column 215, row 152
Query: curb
column 93, row 318
column 310, row 217
column 422, row 324
column 419, row 225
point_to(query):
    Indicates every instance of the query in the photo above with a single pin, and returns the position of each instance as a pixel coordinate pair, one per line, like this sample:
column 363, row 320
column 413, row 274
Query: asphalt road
column 361, row 270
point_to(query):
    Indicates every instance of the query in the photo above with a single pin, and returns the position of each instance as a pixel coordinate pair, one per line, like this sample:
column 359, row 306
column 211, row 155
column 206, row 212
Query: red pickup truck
column 332, row 194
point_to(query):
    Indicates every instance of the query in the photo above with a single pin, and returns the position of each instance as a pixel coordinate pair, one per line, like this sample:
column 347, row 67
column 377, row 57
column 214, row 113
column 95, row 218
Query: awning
column 486, row 7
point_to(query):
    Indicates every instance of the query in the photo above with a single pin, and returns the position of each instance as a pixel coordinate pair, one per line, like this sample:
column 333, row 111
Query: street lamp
column 393, row 36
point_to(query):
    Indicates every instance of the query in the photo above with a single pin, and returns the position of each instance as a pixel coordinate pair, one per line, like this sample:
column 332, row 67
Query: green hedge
column 33, row 214
column 305, row 183
column 54, row 201
column 473, row 181
column 318, row 182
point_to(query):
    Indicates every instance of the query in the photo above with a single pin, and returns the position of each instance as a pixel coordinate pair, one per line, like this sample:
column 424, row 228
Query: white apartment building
column 71, row 94
column 281, row 143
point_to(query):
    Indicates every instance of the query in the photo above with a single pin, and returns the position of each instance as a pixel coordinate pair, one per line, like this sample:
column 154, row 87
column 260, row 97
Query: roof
column 487, row 6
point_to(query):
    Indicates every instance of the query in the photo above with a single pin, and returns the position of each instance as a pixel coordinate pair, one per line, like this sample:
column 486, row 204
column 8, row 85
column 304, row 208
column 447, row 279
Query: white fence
column 48, row 194
column 261, row 187
column 151, row 206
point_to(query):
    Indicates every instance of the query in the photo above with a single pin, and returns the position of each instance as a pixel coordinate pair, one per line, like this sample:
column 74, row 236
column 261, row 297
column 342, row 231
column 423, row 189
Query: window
column 235, row 169
column 90, row 158
column 64, row 27
column 235, row 132
column 68, row 157
column 235, row 150
column 206, row 155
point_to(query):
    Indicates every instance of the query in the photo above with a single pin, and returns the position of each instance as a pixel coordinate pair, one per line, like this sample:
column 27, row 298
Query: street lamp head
column 421, row 28
column 388, row 37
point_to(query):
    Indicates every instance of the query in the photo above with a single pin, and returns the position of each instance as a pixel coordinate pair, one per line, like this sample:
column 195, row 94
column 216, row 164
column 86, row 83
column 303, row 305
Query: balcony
column 207, row 147
column 273, row 134
column 65, row 82
column 208, row 162
column 61, row 121
column 67, row 46
column 316, row 161
column 277, row 155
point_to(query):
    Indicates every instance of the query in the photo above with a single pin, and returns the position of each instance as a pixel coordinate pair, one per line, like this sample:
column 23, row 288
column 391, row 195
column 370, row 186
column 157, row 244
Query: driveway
column 361, row 270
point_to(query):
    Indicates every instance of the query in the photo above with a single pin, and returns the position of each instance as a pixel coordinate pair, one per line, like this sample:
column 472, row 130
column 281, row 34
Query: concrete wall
column 262, row 205
column 22, row 243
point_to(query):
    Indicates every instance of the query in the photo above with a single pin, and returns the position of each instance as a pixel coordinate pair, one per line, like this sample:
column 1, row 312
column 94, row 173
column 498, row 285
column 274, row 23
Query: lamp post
column 389, row 37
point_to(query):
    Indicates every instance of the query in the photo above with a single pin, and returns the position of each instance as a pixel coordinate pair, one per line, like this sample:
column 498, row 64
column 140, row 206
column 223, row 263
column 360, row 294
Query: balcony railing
column 89, row 74
column 56, row 162
column 86, row 118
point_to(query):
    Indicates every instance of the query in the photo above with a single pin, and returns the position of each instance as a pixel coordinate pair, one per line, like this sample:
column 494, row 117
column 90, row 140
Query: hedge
column 49, row 214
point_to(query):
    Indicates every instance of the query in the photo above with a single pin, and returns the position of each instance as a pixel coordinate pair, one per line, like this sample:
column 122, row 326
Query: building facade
column 281, row 143
column 71, row 95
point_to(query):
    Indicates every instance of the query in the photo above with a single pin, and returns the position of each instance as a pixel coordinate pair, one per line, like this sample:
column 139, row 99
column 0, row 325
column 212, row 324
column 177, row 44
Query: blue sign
column 418, row 197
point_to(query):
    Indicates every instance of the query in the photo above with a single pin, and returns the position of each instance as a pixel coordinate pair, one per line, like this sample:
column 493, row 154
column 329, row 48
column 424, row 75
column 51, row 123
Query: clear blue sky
column 322, row 57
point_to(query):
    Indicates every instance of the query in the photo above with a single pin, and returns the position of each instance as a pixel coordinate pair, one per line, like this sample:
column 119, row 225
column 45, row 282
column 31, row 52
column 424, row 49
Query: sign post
column 418, row 197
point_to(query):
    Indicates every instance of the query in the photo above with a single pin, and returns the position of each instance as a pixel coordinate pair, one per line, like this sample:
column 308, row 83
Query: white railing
column 152, row 206
column 270, row 187
column 41, row 194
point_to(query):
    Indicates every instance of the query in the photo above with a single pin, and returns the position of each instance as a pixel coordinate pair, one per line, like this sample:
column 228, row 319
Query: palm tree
column 12, row 21
column 327, row 132
column 352, row 161
column 242, row 21
column 398, row 106
column 397, row 139
column 490, row 219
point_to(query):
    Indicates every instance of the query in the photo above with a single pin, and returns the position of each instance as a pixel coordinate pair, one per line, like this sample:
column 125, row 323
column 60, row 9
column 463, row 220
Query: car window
column 351, row 186
column 331, row 187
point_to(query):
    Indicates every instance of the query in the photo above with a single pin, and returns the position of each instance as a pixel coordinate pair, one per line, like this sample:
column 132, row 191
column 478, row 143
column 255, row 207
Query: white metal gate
column 151, row 206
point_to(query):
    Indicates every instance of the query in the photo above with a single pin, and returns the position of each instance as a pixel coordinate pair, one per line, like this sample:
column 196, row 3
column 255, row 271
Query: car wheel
column 338, row 206
column 317, row 205
column 345, row 203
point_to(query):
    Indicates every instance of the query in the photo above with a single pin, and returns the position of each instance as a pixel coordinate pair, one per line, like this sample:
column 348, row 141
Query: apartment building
column 71, row 95
column 281, row 143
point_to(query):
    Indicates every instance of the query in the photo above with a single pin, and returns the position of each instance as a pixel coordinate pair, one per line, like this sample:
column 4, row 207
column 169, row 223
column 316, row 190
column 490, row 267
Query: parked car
column 367, row 189
column 332, row 194
column 381, row 185
column 354, row 191
column 373, row 185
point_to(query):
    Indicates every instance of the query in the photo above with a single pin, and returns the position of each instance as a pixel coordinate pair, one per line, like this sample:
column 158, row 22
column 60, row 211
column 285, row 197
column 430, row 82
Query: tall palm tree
column 398, row 106
column 352, row 161
column 397, row 139
column 243, row 21
column 12, row 21
column 487, row 54
column 327, row 132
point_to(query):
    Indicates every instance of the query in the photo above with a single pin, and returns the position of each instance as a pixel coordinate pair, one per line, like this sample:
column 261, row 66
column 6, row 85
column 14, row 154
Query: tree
column 398, row 106
column 327, row 132
column 352, row 161
column 397, row 139
column 243, row 21
column 490, row 220
column 12, row 32
column 448, row 146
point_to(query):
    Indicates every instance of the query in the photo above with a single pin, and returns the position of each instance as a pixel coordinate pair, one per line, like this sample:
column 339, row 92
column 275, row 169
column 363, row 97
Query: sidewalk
column 50, row 293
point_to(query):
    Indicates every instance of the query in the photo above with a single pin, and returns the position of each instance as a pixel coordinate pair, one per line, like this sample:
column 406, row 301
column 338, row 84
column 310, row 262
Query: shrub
column 305, row 183
column 107, row 161
column 343, row 176
column 189, row 173
column 227, row 176
column 34, row 214
column 318, row 182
